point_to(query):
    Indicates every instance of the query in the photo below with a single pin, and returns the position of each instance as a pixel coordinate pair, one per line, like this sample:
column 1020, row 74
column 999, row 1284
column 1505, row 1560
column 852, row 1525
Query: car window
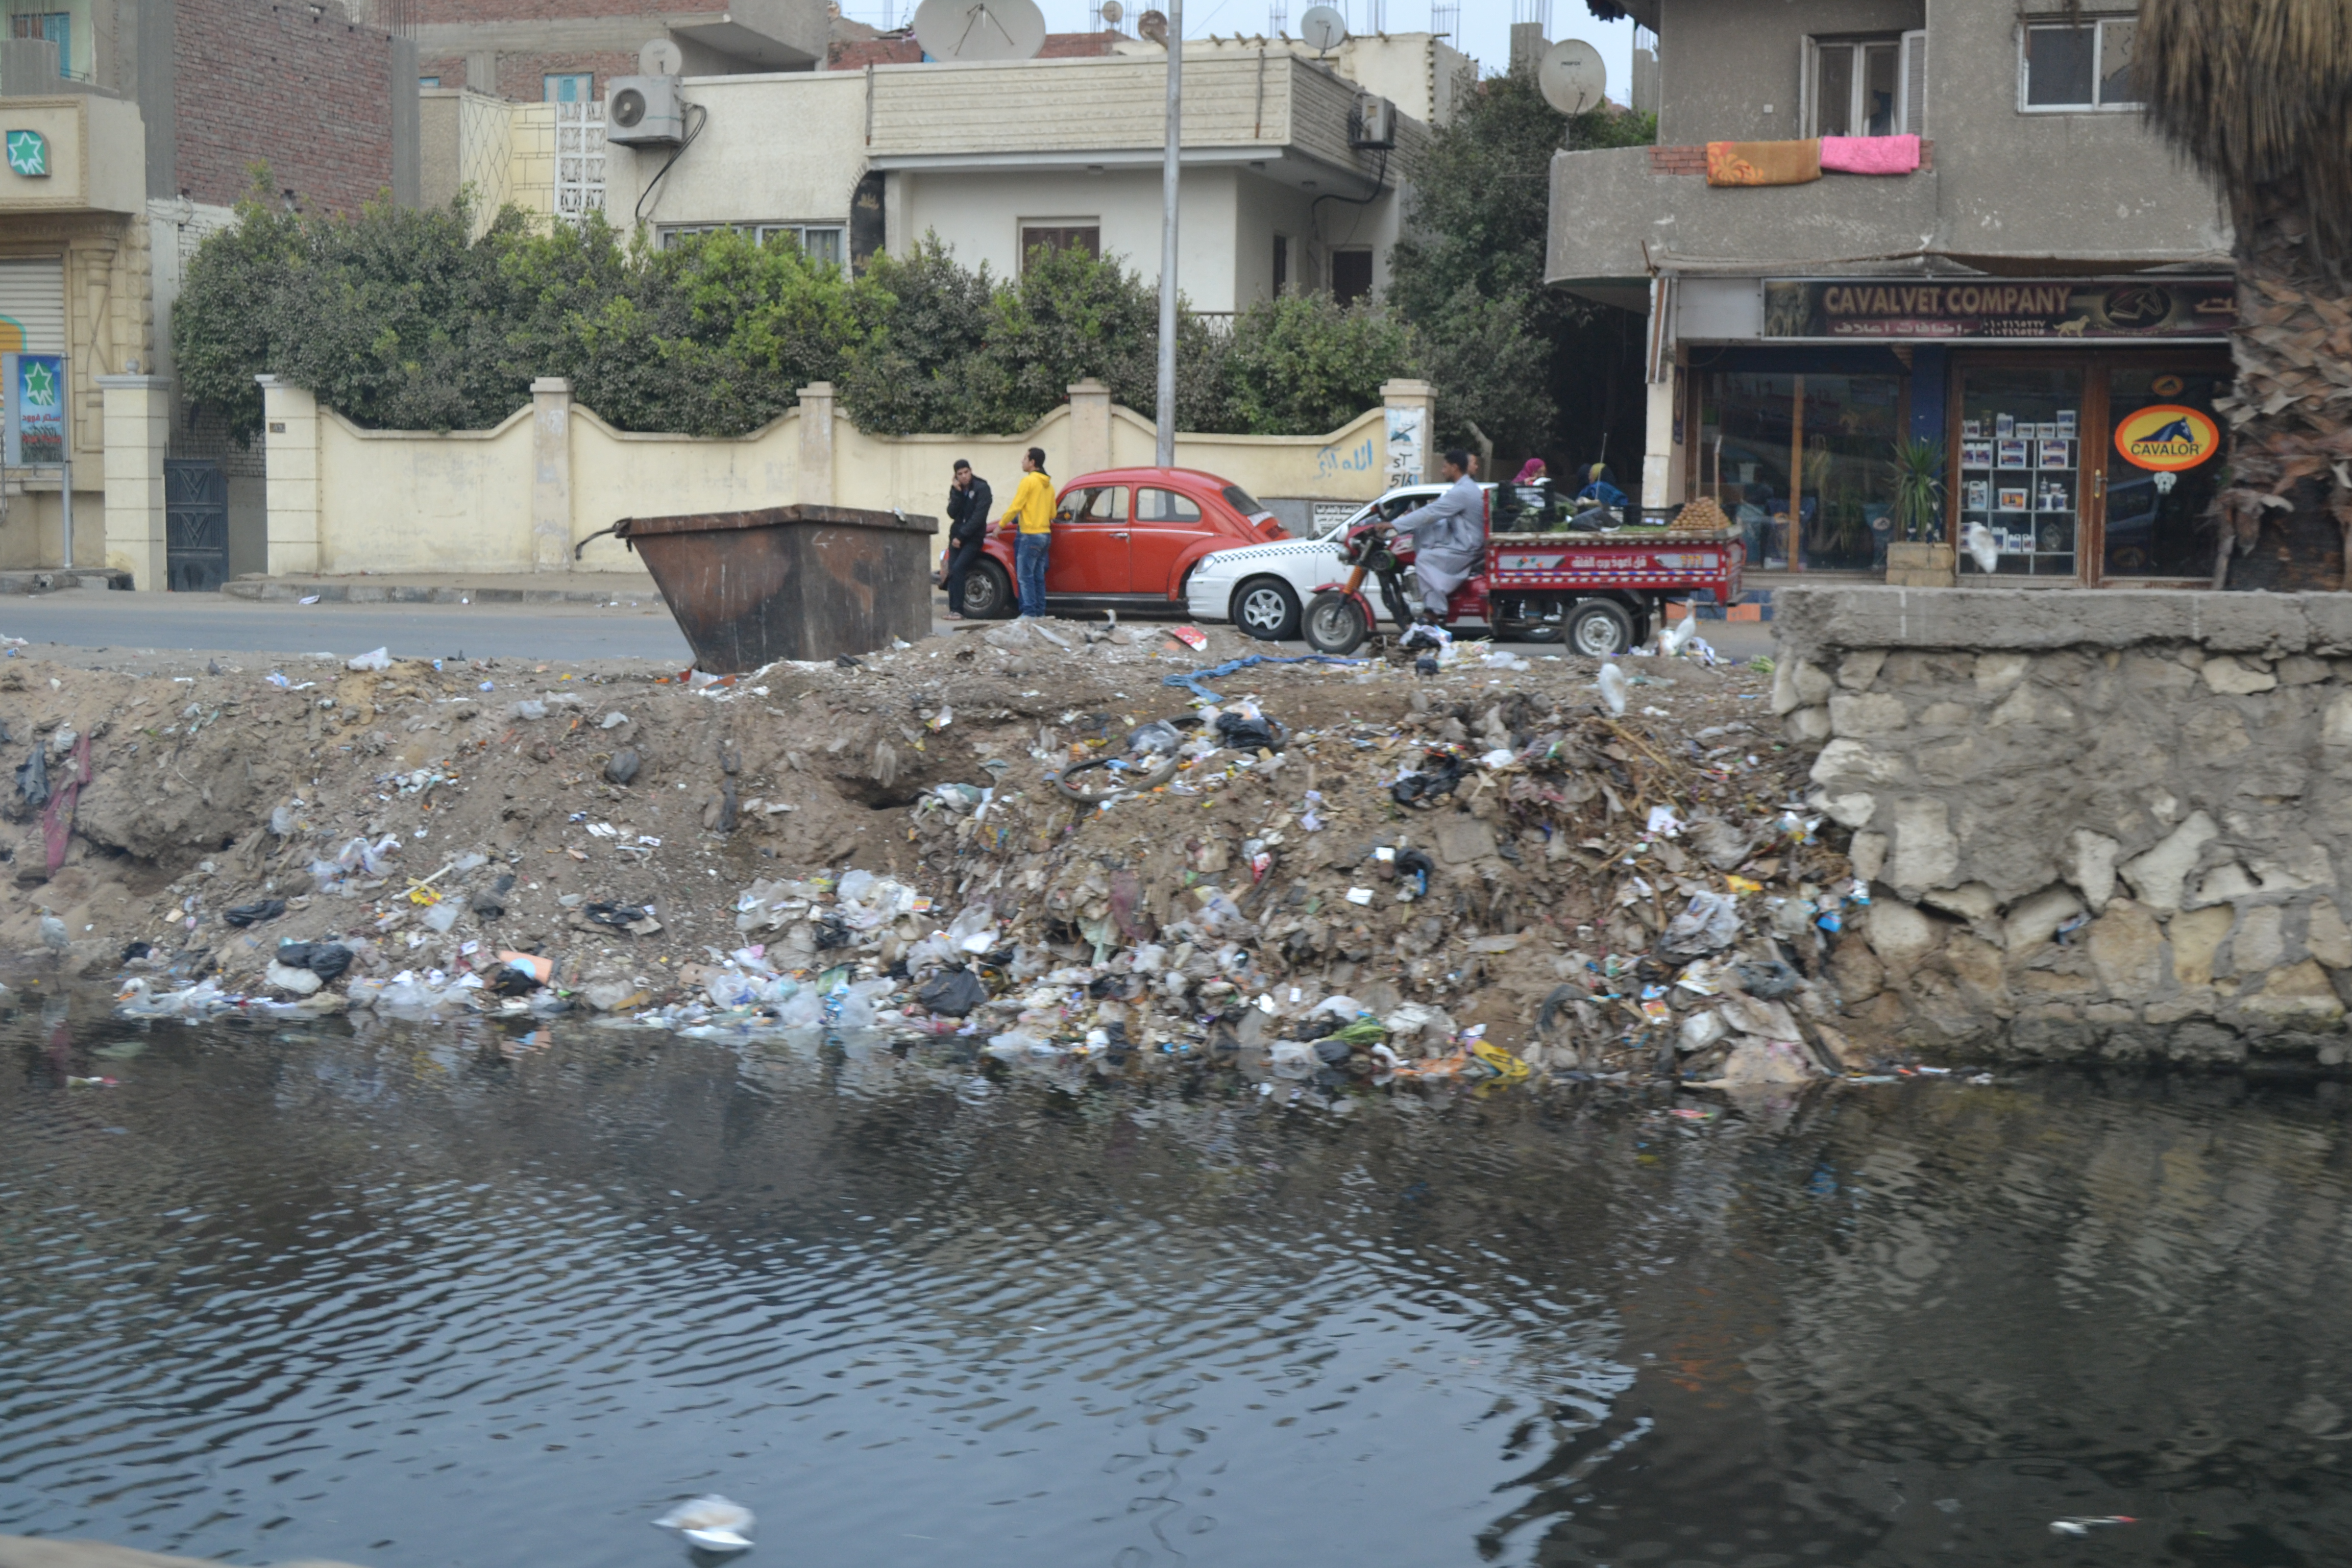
column 1241, row 502
column 1165, row 505
column 1099, row 503
column 1396, row 507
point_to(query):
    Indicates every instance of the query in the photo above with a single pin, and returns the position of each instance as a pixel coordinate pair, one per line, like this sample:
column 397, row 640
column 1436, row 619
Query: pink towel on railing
column 1870, row 155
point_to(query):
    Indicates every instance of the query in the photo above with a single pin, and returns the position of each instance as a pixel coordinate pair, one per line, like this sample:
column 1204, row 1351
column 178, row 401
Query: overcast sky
column 1485, row 34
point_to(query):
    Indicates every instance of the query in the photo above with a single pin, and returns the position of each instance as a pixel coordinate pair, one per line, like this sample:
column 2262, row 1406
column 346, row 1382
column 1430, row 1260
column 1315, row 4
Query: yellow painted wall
column 414, row 501
column 401, row 500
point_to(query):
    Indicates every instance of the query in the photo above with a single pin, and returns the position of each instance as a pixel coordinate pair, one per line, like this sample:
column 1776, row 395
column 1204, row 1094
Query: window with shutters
column 2078, row 66
column 1085, row 233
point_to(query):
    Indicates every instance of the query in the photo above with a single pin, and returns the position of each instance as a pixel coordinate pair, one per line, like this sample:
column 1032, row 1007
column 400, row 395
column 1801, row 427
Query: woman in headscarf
column 1601, row 504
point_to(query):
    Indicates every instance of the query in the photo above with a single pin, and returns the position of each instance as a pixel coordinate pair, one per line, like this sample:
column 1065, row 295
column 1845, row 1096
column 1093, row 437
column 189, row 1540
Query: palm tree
column 2258, row 94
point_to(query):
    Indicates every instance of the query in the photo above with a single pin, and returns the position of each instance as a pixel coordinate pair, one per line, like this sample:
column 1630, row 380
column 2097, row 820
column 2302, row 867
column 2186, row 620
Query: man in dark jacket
column 969, row 504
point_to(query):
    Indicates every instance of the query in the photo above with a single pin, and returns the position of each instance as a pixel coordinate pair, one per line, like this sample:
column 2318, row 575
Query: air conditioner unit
column 1373, row 124
column 644, row 112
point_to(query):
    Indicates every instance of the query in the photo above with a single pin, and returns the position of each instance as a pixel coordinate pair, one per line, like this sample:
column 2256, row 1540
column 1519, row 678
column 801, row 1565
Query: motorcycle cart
column 1599, row 594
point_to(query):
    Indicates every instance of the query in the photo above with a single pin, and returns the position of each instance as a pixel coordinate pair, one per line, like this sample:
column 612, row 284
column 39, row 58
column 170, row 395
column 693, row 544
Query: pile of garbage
column 1083, row 847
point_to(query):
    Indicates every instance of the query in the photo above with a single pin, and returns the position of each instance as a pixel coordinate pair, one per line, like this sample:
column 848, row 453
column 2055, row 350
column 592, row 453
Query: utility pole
column 1165, row 447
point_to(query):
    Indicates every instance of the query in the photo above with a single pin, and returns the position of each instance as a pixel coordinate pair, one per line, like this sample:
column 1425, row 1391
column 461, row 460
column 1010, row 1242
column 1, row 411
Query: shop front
column 2076, row 417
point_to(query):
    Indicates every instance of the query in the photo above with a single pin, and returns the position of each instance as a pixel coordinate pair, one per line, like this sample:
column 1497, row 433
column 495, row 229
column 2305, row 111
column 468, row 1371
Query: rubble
column 1325, row 871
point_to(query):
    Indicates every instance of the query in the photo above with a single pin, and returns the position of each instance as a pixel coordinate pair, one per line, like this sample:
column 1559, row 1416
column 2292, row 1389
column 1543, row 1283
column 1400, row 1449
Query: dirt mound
column 1482, row 857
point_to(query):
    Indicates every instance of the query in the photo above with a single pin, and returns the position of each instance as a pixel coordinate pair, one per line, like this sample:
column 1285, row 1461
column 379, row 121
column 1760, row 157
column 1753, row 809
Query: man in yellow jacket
column 1033, row 510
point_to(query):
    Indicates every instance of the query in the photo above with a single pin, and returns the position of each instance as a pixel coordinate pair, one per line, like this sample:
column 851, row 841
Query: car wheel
column 1335, row 624
column 1598, row 628
column 1266, row 607
column 987, row 593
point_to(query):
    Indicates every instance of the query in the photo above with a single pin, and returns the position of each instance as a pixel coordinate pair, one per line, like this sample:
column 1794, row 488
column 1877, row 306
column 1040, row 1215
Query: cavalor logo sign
column 2168, row 437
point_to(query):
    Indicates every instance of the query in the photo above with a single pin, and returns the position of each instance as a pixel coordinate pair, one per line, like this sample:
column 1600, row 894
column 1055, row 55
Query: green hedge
column 398, row 321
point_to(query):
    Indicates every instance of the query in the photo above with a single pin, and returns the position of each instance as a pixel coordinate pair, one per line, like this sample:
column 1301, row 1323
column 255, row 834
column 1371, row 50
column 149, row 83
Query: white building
column 1286, row 182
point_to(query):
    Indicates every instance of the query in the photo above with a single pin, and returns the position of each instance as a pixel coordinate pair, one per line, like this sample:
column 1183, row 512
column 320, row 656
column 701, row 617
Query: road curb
column 278, row 593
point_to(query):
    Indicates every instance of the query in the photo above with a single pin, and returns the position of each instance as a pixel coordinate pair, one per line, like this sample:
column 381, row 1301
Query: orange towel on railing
column 1763, row 162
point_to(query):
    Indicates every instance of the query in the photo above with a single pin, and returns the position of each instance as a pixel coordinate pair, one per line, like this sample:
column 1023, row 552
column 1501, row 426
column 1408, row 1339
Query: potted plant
column 1919, row 557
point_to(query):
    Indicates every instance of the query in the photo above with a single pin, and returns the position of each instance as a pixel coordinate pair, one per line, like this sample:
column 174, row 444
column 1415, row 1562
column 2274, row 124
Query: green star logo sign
column 29, row 153
column 40, row 385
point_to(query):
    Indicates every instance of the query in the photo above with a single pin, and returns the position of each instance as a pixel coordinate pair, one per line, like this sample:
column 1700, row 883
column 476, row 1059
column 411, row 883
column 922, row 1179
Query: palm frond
column 2255, row 93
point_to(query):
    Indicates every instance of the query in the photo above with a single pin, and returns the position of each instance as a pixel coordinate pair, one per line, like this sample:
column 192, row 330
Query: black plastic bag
column 327, row 960
column 619, row 916
column 952, row 993
column 1247, row 734
column 33, row 780
column 255, row 913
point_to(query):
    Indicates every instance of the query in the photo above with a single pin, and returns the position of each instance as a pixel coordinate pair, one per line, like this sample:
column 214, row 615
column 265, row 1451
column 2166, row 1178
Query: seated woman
column 1600, row 505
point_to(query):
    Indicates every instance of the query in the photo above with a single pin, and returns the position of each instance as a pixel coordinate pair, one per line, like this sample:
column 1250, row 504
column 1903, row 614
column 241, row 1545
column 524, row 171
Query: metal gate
column 195, row 524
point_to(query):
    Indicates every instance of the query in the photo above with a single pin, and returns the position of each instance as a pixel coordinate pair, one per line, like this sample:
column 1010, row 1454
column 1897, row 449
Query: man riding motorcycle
column 1448, row 536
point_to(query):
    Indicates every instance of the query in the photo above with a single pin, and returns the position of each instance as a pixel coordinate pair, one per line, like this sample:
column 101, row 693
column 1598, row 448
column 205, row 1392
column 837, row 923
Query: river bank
column 1495, row 868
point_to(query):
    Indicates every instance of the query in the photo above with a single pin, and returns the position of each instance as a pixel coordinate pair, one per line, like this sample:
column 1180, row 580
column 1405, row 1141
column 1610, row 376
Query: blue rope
column 1191, row 681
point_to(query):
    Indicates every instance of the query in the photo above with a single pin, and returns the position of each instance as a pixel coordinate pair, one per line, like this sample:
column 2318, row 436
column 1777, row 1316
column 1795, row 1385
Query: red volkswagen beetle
column 1124, row 539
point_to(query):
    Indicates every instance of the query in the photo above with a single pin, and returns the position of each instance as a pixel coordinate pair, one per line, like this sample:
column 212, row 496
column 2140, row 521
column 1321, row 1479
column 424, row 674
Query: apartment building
column 2043, row 289
column 139, row 124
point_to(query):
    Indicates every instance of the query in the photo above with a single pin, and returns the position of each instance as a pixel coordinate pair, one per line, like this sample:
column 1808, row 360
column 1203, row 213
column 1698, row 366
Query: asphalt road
column 87, row 622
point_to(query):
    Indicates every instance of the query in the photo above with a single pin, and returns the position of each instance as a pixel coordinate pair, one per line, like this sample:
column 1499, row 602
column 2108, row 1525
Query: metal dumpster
column 788, row 582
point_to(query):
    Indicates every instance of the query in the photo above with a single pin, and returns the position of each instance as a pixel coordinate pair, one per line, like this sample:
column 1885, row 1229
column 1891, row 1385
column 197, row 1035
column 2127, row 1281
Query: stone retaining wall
column 2096, row 824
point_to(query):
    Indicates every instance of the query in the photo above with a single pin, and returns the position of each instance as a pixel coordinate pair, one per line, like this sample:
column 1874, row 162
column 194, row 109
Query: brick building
column 156, row 113
column 566, row 51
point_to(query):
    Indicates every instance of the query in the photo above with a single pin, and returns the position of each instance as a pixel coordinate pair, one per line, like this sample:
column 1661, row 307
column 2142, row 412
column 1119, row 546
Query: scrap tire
column 1335, row 624
column 1266, row 608
column 1597, row 628
column 1158, row 775
column 988, row 593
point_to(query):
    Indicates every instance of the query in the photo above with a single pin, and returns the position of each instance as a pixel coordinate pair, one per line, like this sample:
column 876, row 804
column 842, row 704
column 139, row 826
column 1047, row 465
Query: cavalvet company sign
column 2001, row 309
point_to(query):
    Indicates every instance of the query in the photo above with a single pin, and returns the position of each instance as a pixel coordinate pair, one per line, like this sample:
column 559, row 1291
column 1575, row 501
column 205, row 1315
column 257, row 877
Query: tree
column 1306, row 363
column 2258, row 94
column 1537, row 371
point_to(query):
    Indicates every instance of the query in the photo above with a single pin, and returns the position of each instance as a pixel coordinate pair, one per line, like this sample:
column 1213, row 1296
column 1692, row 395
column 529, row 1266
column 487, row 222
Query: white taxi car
column 1263, row 588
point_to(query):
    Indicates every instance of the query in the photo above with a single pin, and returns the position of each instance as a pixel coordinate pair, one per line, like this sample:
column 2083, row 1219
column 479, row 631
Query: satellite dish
column 981, row 29
column 661, row 57
column 1111, row 13
column 1572, row 76
column 1323, row 28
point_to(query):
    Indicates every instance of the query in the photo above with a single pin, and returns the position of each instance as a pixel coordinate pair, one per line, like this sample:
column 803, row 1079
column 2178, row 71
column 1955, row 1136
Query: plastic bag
column 376, row 658
column 729, row 989
column 1243, row 733
column 1159, row 737
column 1709, row 924
column 974, row 931
column 444, row 915
column 954, row 993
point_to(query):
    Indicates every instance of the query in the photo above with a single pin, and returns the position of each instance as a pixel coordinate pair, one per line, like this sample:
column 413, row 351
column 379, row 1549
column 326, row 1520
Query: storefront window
column 1836, row 435
column 2021, row 460
column 2158, row 521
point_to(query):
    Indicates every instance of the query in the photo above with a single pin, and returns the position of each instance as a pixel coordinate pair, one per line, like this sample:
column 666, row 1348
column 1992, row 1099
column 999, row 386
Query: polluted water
column 383, row 1291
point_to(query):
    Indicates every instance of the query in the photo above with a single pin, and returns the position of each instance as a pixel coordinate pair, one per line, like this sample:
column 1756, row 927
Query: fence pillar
column 138, row 414
column 551, row 474
column 1089, row 427
column 817, row 444
column 291, row 459
column 1411, row 429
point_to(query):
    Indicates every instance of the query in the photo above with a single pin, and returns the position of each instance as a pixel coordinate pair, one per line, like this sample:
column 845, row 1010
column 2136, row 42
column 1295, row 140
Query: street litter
column 712, row 1522
column 2084, row 1525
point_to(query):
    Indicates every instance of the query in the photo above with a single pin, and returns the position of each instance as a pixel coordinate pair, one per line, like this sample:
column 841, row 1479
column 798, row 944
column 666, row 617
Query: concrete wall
column 1729, row 69
column 734, row 173
column 2089, row 189
column 2099, row 183
column 344, row 499
column 2097, row 824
